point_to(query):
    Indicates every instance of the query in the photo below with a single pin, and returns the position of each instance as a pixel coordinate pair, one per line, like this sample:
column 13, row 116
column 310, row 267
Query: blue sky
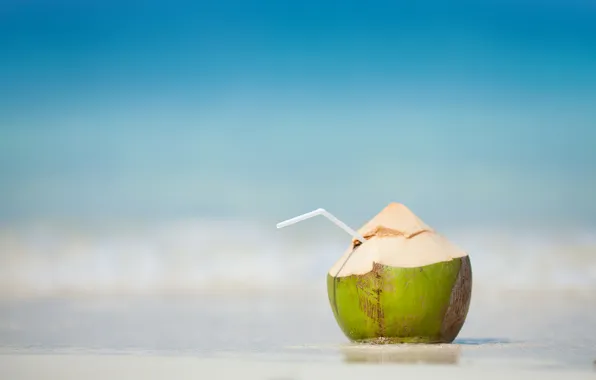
column 197, row 108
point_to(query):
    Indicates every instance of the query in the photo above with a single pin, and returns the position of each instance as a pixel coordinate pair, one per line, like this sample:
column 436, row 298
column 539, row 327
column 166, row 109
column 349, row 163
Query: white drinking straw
column 321, row 211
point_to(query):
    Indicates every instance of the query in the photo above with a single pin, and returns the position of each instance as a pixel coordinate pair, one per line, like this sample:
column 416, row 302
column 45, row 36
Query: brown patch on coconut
column 459, row 302
column 370, row 288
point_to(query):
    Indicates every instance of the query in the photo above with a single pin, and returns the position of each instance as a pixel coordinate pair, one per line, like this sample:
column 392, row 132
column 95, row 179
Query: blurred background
column 150, row 148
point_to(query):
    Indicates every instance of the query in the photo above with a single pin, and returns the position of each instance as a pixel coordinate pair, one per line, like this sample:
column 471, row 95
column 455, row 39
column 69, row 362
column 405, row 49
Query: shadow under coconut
column 481, row 341
column 402, row 353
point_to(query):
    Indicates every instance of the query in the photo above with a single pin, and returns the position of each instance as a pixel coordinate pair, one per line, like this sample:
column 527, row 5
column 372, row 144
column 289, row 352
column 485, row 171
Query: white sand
column 66, row 367
column 275, row 337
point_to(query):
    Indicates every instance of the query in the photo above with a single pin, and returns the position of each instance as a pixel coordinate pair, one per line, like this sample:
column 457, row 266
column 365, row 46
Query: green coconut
column 405, row 284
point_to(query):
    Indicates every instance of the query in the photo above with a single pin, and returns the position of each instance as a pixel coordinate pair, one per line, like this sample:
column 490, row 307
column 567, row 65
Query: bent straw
column 321, row 211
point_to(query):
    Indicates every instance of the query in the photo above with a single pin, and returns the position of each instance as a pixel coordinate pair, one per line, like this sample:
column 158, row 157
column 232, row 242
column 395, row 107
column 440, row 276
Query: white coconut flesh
column 398, row 238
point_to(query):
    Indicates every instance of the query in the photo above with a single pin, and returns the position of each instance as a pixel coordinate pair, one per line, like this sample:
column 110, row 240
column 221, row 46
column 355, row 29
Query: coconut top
column 395, row 237
column 394, row 219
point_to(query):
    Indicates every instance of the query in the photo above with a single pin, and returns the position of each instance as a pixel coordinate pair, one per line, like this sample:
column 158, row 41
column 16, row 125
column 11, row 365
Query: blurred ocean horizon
column 194, row 255
column 152, row 148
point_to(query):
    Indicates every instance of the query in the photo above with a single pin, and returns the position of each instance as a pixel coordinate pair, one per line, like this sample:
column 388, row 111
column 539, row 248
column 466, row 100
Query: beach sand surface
column 161, row 367
column 284, row 335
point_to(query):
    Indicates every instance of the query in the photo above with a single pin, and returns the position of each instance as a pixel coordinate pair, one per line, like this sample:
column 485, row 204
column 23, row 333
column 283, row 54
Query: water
column 198, row 255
